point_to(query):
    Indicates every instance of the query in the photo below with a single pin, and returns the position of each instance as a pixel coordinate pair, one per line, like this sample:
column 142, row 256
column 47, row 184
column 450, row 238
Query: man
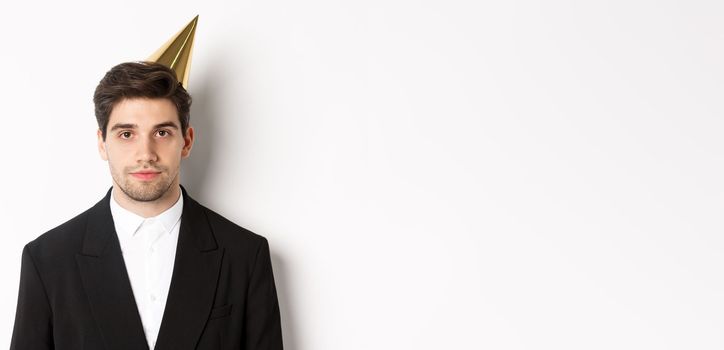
column 147, row 267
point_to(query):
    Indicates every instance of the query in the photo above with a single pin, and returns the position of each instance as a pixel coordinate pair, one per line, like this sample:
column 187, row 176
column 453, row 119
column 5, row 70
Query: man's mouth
column 145, row 175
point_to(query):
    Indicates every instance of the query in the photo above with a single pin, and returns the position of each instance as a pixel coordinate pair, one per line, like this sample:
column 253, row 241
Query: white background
column 430, row 175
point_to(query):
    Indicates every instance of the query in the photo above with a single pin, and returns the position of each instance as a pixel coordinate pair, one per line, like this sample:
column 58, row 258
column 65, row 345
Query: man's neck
column 147, row 209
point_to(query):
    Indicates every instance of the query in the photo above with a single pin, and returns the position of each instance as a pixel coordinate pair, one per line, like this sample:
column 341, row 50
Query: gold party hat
column 176, row 52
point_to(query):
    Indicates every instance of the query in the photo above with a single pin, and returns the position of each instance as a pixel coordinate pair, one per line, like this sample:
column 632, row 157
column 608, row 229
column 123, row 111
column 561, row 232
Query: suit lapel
column 193, row 282
column 106, row 282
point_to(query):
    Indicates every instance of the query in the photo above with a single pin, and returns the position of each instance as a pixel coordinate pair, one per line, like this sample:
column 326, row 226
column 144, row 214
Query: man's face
column 144, row 146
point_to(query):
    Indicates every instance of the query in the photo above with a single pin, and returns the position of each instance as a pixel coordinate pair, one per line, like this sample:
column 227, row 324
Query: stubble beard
column 144, row 191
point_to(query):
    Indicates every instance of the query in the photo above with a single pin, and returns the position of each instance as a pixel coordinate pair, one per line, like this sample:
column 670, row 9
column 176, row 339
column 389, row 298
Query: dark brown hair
column 140, row 80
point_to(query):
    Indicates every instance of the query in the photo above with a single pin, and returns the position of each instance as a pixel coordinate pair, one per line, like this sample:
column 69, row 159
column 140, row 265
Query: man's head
column 143, row 128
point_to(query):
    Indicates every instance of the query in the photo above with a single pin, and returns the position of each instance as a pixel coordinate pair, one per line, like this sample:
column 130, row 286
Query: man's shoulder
column 229, row 231
column 64, row 237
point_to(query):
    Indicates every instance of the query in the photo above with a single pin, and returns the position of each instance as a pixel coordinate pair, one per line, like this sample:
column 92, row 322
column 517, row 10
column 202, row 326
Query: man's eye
column 125, row 134
column 162, row 133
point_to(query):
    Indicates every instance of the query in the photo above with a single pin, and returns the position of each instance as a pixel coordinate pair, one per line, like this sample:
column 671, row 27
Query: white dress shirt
column 149, row 251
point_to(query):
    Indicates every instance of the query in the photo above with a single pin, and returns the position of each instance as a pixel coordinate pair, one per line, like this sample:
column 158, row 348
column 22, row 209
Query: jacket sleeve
column 33, row 317
column 263, row 330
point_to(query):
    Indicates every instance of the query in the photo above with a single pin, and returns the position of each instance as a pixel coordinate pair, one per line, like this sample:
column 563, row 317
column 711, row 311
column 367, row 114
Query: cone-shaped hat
column 176, row 52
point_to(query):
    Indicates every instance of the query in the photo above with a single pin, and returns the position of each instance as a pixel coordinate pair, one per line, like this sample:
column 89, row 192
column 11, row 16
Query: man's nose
column 147, row 151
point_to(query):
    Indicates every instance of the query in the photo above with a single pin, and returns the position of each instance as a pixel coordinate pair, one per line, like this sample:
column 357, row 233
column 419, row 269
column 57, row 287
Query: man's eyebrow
column 124, row 126
column 166, row 124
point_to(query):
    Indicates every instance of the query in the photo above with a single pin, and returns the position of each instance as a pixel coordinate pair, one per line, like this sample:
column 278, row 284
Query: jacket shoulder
column 233, row 236
column 65, row 237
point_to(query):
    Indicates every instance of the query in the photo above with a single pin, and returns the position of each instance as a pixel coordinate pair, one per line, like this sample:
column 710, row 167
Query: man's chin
column 145, row 192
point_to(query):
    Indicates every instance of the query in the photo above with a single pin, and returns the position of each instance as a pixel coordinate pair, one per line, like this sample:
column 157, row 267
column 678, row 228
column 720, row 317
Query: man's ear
column 102, row 145
column 188, row 142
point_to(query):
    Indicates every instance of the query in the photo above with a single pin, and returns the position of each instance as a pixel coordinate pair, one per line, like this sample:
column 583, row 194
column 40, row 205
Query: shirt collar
column 127, row 222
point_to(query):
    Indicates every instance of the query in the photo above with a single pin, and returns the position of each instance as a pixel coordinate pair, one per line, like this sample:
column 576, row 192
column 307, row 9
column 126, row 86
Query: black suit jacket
column 75, row 292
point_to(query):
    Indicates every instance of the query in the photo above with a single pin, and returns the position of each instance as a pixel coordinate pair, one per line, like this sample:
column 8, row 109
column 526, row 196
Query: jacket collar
column 193, row 282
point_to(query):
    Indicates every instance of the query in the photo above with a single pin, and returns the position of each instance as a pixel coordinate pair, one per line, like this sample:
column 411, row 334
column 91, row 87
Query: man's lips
column 145, row 175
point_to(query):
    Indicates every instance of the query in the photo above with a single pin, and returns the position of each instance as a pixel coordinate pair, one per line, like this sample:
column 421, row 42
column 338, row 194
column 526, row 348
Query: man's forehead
column 144, row 103
column 133, row 125
column 143, row 112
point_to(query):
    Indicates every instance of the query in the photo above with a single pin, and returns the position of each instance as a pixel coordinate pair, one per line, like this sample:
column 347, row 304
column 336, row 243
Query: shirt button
column 153, row 297
column 151, row 249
